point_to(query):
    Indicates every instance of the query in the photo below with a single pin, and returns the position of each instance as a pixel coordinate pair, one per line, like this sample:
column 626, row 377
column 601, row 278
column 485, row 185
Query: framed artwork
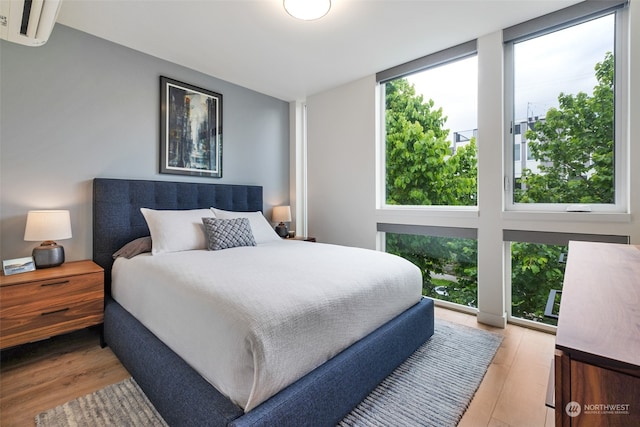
column 18, row 265
column 190, row 130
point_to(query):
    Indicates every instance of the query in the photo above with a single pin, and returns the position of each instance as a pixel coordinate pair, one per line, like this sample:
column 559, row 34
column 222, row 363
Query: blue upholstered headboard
column 117, row 202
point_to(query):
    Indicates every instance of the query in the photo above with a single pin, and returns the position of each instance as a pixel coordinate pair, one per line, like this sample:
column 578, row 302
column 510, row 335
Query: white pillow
column 173, row 231
column 262, row 230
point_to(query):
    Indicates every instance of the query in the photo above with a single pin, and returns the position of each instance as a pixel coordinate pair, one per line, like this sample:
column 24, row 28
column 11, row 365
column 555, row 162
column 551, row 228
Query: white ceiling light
column 307, row 9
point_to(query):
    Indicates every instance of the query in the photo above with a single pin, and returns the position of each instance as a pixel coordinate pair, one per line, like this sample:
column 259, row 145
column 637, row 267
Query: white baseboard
column 492, row 319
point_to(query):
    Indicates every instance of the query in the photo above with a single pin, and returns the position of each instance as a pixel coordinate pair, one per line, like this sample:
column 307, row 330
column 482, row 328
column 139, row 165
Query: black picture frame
column 190, row 130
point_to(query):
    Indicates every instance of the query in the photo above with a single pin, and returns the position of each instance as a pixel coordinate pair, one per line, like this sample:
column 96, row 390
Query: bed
column 176, row 387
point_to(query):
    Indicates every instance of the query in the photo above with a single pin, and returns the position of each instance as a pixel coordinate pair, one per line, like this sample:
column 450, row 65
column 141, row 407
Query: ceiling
column 256, row 44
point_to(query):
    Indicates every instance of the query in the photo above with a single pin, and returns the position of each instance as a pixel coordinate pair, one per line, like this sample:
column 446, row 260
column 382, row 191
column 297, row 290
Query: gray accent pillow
column 134, row 247
column 228, row 233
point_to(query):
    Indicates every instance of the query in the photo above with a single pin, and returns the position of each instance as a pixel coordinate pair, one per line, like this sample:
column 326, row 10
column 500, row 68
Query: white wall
column 341, row 165
column 634, row 120
column 490, row 130
column 342, row 181
column 81, row 107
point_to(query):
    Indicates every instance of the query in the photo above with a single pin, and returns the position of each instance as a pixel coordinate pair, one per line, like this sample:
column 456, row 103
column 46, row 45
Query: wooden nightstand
column 51, row 301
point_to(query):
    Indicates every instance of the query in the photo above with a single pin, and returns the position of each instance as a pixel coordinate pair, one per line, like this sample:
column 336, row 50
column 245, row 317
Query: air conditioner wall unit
column 28, row 22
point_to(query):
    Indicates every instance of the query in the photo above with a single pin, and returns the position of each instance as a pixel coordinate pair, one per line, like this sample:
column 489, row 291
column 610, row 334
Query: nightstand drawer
column 44, row 293
column 52, row 301
column 19, row 327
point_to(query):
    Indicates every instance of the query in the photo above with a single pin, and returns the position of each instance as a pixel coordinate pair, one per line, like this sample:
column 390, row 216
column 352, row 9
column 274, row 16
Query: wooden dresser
column 597, row 360
column 51, row 301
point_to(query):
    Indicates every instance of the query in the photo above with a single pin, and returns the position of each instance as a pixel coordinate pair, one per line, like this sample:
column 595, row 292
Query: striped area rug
column 118, row 405
column 433, row 387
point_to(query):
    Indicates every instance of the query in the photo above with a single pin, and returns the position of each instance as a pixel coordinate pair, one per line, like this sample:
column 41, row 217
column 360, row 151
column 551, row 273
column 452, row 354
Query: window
column 447, row 258
column 515, row 273
column 530, row 155
column 566, row 86
column 538, row 261
column 537, row 270
column 430, row 128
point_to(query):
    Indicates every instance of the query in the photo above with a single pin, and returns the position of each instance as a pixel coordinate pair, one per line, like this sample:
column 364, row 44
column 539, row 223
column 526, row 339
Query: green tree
column 421, row 170
column 536, row 269
column 574, row 147
column 449, row 265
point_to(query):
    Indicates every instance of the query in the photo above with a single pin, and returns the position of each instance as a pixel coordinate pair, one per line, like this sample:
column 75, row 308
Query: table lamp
column 282, row 214
column 48, row 226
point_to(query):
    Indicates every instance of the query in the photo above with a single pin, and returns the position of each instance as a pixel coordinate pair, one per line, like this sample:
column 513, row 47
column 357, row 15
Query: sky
column 563, row 61
column 454, row 87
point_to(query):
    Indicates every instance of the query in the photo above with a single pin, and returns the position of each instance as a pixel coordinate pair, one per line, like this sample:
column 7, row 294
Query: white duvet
column 252, row 320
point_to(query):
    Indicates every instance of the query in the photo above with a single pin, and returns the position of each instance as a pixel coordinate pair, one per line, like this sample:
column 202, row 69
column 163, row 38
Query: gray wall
column 81, row 107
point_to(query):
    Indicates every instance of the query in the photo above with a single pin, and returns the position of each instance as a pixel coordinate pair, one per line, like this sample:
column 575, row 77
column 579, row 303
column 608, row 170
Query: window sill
column 431, row 211
column 567, row 216
column 448, row 216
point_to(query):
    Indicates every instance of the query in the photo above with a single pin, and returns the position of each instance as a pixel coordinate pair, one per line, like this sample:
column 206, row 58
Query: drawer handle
column 55, row 283
column 54, row 311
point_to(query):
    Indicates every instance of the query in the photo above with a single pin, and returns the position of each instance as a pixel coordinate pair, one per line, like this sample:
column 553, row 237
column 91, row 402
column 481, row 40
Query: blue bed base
column 321, row 398
column 183, row 398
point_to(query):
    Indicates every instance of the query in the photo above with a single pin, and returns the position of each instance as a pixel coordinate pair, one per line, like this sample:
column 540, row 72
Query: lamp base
column 282, row 230
column 48, row 255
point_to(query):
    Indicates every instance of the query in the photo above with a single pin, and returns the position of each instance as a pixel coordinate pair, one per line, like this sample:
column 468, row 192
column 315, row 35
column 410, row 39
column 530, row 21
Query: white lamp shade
column 281, row 214
column 47, row 225
column 307, row 9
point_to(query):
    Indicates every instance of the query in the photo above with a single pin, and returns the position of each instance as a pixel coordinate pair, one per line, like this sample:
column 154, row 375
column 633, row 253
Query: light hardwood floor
column 42, row 375
column 514, row 389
